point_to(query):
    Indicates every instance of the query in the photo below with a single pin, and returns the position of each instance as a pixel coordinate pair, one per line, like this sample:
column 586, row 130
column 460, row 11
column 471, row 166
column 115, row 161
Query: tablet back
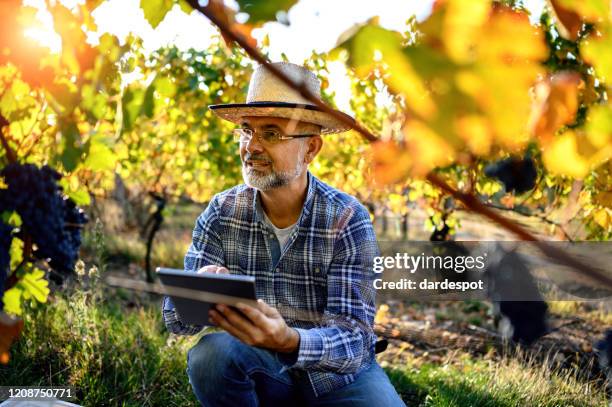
column 193, row 294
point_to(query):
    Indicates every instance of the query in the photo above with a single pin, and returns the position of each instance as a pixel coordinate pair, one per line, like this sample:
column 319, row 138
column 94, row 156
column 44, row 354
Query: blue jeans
column 226, row 372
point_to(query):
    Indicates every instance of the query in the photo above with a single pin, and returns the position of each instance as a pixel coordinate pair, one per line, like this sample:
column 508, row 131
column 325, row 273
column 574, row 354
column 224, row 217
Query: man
column 311, row 249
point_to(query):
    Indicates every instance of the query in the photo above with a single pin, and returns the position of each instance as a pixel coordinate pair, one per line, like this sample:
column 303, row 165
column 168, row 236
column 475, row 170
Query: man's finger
column 257, row 317
column 223, row 323
column 207, row 269
column 266, row 309
column 236, row 320
column 213, row 269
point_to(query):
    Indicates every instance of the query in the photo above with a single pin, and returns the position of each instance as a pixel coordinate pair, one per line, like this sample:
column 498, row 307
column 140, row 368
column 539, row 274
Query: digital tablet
column 194, row 293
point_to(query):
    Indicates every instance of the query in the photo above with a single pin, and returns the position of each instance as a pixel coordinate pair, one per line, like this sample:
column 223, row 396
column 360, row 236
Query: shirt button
column 317, row 270
column 278, row 270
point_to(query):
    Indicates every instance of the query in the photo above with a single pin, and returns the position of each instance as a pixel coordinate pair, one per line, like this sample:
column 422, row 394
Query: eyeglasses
column 267, row 136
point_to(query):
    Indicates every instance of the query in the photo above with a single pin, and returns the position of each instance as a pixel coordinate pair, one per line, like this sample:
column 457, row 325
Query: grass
column 595, row 312
column 112, row 357
column 480, row 382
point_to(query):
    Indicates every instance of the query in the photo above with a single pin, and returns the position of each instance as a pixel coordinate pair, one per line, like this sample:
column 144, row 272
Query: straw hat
column 268, row 96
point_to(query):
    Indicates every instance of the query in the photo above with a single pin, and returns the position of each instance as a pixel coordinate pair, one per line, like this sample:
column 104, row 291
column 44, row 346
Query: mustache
column 257, row 157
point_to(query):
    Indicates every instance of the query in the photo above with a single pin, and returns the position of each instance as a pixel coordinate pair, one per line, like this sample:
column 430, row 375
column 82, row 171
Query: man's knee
column 211, row 358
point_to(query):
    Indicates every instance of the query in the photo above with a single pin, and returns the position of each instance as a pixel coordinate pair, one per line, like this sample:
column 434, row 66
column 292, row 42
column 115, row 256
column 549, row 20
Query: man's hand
column 213, row 269
column 263, row 326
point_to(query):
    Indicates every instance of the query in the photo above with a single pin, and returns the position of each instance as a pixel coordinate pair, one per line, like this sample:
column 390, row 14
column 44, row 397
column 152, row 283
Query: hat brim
column 234, row 113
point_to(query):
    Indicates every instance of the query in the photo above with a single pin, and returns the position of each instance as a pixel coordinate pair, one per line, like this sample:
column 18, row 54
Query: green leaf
column 185, row 7
column 12, row 300
column 100, row 157
column 148, row 104
column 35, row 286
column 71, row 153
column 596, row 51
column 65, row 94
column 155, row 10
column 132, row 103
column 165, row 86
column 80, row 197
column 11, row 218
column 16, row 252
column 264, row 10
column 94, row 102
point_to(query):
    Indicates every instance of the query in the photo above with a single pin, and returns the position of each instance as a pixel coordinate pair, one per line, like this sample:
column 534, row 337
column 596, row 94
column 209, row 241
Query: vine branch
column 10, row 154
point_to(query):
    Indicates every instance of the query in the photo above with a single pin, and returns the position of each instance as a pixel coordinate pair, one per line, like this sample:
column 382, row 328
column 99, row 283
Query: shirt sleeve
column 345, row 340
column 205, row 249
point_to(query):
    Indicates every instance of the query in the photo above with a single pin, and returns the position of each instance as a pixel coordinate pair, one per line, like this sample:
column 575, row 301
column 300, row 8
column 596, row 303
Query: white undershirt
column 281, row 234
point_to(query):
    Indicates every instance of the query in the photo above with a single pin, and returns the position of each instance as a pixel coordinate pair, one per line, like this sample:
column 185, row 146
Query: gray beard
column 275, row 179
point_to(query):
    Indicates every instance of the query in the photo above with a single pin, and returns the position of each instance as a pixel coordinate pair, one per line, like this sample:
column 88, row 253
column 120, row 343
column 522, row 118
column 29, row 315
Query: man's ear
column 313, row 145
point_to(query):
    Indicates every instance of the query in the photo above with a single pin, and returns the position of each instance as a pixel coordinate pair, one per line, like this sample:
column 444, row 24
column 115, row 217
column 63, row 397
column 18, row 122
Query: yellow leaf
column 391, row 163
column 382, row 315
column 604, row 199
column 374, row 47
column 556, row 104
column 596, row 51
column 427, row 149
column 602, row 218
column 561, row 157
column 463, row 21
column 12, row 301
column 16, row 252
column 588, row 10
column 34, row 285
column 475, row 132
column 599, row 125
column 509, row 37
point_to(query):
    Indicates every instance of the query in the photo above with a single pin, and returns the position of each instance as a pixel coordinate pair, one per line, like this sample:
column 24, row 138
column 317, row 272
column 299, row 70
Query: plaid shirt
column 321, row 283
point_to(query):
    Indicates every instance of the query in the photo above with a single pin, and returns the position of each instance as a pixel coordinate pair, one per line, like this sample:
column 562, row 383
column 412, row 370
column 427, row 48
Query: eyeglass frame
column 281, row 137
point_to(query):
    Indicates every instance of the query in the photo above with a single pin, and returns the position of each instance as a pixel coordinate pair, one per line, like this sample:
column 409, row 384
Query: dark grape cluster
column 604, row 355
column 52, row 221
column 528, row 319
column 517, row 174
column 5, row 244
column 440, row 235
column 516, row 298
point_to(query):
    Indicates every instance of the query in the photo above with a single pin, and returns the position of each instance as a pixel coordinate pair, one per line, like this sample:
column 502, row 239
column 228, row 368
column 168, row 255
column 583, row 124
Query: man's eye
column 270, row 135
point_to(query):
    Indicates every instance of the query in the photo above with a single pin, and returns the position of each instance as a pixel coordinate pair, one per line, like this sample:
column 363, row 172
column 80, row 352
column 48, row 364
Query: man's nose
column 254, row 145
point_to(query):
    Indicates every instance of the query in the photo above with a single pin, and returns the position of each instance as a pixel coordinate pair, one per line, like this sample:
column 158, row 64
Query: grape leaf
column 165, row 86
column 556, row 104
column 132, row 101
column 100, row 156
column 71, row 153
column 12, row 300
column 602, row 218
column 35, row 285
column 596, row 51
column 16, row 252
column 561, row 156
column 155, row 10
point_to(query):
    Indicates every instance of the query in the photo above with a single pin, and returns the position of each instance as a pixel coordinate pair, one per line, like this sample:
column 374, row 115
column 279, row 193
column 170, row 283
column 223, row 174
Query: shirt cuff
column 310, row 350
